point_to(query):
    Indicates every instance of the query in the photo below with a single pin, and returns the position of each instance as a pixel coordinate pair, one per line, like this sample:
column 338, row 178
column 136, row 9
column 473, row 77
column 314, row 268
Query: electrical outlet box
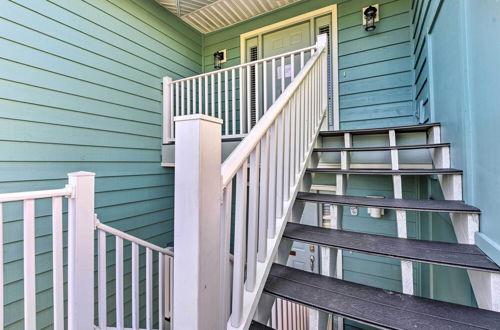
column 354, row 211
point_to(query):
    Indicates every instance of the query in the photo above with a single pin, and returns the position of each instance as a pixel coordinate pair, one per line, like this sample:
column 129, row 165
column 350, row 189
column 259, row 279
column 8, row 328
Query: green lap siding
column 80, row 90
column 375, row 72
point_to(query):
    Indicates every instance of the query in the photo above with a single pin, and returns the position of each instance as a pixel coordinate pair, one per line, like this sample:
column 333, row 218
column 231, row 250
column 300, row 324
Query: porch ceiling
column 210, row 15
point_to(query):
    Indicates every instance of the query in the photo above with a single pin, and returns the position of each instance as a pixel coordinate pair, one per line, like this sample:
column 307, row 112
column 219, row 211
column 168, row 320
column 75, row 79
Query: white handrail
column 243, row 150
column 165, row 271
column 20, row 196
column 266, row 169
column 113, row 231
column 267, row 59
column 240, row 95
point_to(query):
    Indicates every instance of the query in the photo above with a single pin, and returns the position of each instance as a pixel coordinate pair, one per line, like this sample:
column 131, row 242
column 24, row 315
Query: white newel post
column 81, row 221
column 197, row 267
column 168, row 123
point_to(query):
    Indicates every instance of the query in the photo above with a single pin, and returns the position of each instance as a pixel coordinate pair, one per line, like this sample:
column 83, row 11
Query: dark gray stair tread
column 384, row 148
column 430, row 171
column 258, row 326
column 448, row 254
column 390, row 203
column 374, row 306
column 365, row 131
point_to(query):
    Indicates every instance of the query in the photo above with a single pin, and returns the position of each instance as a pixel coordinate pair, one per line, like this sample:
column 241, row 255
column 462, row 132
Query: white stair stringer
column 486, row 286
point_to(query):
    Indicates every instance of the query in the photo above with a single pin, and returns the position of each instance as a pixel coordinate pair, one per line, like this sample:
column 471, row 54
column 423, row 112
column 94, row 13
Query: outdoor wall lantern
column 219, row 58
column 370, row 17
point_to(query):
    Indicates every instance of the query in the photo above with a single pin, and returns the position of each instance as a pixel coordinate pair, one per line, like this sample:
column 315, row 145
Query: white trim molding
column 332, row 9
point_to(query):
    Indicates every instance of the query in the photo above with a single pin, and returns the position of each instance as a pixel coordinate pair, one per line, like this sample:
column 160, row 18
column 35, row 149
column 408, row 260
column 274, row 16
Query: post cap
column 198, row 117
column 80, row 173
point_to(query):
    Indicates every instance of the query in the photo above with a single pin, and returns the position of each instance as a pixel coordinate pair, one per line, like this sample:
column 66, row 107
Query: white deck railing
column 29, row 291
column 265, row 170
column 82, row 226
column 268, row 165
column 239, row 95
column 164, row 291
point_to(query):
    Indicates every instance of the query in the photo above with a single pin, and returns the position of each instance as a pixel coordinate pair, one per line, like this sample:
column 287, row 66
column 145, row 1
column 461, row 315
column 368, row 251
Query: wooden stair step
column 365, row 131
column 430, row 171
column 378, row 307
column 258, row 326
column 447, row 254
column 383, row 148
column 390, row 203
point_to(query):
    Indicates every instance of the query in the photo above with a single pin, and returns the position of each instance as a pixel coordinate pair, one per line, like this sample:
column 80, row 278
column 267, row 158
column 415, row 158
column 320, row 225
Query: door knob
column 312, row 259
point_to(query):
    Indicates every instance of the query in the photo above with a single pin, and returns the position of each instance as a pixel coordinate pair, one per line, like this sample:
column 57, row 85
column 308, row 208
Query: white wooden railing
column 265, row 170
column 239, row 95
column 82, row 227
column 268, row 165
column 29, row 274
column 164, row 290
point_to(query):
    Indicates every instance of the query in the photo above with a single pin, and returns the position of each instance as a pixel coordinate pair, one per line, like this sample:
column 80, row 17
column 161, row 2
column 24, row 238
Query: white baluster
column 286, row 161
column 200, row 95
column 226, row 103
column 212, row 110
column 271, row 218
column 172, row 109
column 177, row 100
column 206, row 95
column 161, row 290
column 135, row 286
column 29, row 264
column 101, row 273
column 263, row 195
column 253, row 217
column 233, row 100
column 183, row 109
column 119, row 282
column 193, row 82
column 273, row 78
column 219, row 95
column 249, row 100
column 264, row 83
column 282, row 74
column 279, row 166
column 242, row 103
column 57, row 263
column 149, row 289
column 293, row 139
column 257, row 102
column 225, row 239
column 188, row 97
column 239, row 245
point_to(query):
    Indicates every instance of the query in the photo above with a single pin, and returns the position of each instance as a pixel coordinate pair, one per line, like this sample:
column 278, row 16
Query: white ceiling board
column 211, row 15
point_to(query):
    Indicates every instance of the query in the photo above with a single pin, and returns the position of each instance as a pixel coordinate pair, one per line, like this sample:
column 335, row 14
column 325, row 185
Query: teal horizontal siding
column 80, row 89
column 375, row 67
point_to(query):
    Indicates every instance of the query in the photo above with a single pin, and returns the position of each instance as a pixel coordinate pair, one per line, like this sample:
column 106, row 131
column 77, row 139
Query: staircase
column 370, row 305
column 250, row 207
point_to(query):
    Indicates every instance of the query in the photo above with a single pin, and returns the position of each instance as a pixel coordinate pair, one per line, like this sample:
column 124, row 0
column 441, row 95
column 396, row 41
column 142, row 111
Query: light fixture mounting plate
column 223, row 51
column 377, row 17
